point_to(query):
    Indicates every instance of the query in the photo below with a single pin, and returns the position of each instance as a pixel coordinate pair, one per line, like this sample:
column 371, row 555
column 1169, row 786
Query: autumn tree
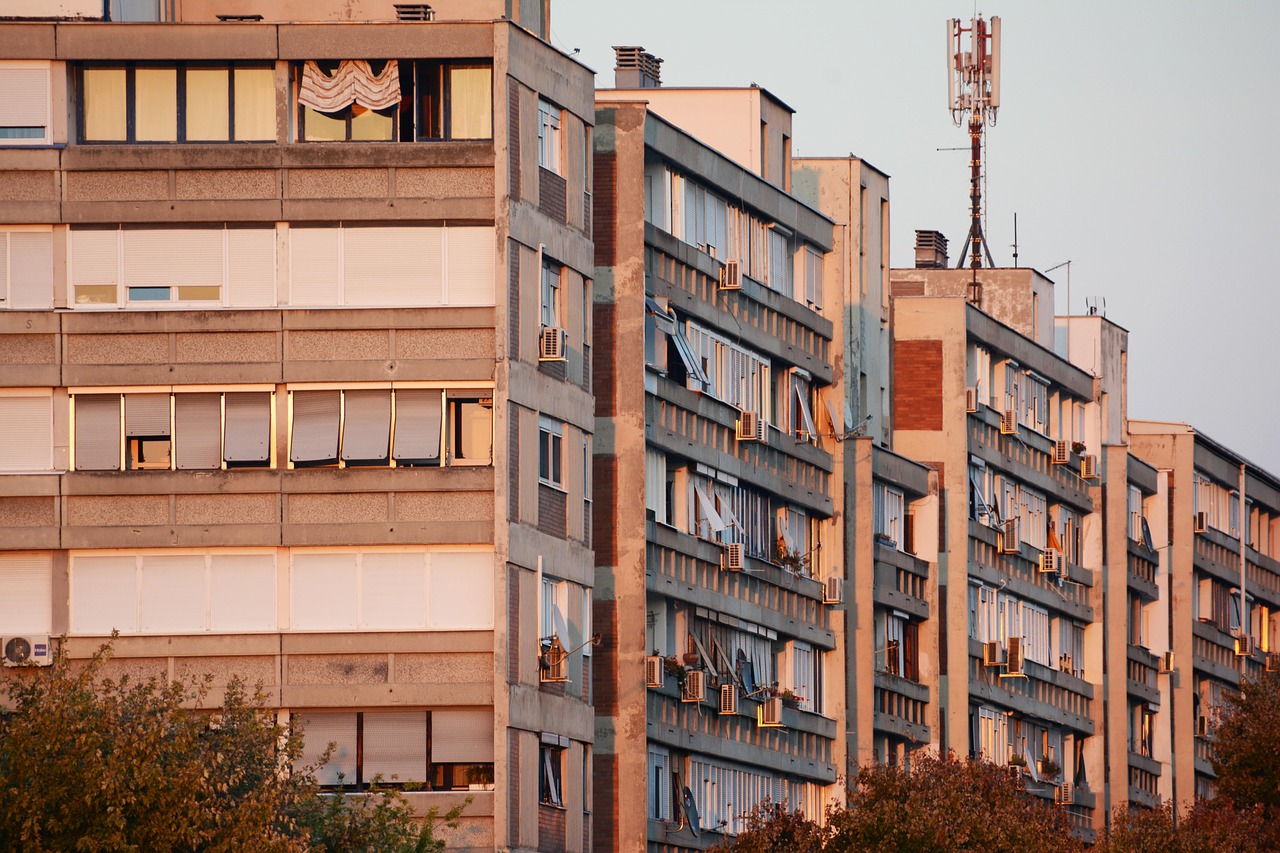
column 92, row 763
column 1246, row 745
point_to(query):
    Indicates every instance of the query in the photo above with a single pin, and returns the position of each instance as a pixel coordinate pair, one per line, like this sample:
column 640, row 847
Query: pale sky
column 1136, row 139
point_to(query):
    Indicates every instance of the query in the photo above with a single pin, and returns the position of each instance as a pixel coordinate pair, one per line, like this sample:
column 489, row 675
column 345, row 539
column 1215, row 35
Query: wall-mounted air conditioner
column 731, row 559
column 731, row 275
column 695, row 686
column 1244, row 645
column 971, row 399
column 1010, row 539
column 1089, row 466
column 750, row 426
column 28, row 650
column 551, row 344
column 833, row 591
column 1009, row 422
column 992, row 654
column 1051, row 561
column 1013, row 658
column 1063, row 795
column 1061, row 452
column 728, row 699
column 769, row 714
column 653, row 676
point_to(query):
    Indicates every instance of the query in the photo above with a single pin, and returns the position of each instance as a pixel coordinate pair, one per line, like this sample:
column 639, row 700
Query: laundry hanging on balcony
column 354, row 82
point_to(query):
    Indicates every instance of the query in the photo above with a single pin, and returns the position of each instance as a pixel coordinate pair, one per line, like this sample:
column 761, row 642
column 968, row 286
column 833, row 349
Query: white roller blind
column 95, row 257
column 460, row 591
column 418, row 414
column 27, row 424
column 198, row 431
column 26, row 97
column 313, row 266
column 393, row 593
column 248, row 426
column 251, row 267
column 173, row 598
column 391, row 266
column 324, row 592
column 315, row 426
column 173, row 257
column 366, row 425
column 146, row 414
column 30, row 269
column 27, row 603
column 462, row 736
column 471, row 254
column 242, row 592
column 321, row 729
column 395, row 746
column 104, row 595
column 97, row 432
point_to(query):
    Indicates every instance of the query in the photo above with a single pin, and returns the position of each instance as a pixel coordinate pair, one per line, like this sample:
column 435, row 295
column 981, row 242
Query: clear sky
column 1140, row 140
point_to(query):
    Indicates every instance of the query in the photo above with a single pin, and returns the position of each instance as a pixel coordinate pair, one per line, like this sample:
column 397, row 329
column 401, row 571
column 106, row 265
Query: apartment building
column 718, row 684
column 296, row 344
column 1220, row 538
column 1013, row 431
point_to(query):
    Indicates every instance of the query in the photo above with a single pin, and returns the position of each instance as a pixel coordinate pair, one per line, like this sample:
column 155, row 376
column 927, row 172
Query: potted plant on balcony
column 1077, row 447
column 671, row 666
column 789, row 699
column 792, row 561
column 1049, row 769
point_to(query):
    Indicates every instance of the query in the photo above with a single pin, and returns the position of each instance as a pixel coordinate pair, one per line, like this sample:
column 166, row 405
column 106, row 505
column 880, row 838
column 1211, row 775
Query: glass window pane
column 148, row 294
column 208, row 109
column 255, row 104
column 156, row 104
column 372, row 126
column 473, row 431
column 203, row 293
column 471, row 102
column 104, row 104
column 95, row 294
column 322, row 128
column 429, row 101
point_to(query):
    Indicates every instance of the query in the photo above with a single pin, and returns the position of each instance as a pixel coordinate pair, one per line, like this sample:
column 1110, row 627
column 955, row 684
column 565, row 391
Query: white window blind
column 26, row 421
column 393, row 590
column 24, row 109
column 418, row 413
column 97, row 430
column 470, row 273
column 172, row 594
column 251, row 267
column 391, row 266
column 395, row 746
column 26, row 269
column 462, row 736
column 242, row 592
column 314, row 266
column 321, row 729
column 366, row 433
column 198, row 431
column 27, row 603
column 104, row 595
column 95, row 266
column 248, row 427
column 146, row 414
column 316, row 419
column 324, row 591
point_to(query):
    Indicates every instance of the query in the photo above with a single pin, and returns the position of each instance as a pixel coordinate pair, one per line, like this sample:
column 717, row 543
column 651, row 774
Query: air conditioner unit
column 731, row 275
column 551, row 344
column 1089, row 466
column 1061, row 452
column 1064, row 570
column 1009, row 422
column 731, row 559
column 971, row 399
column 30, row 650
column 728, row 699
column 1273, row 662
column 1166, row 662
column 750, row 427
column 1202, row 522
column 1244, row 646
column 653, row 676
column 1013, row 658
column 1010, row 541
column 769, row 714
column 1202, row 726
column 1049, row 561
column 695, row 687
column 1063, row 795
column 833, row 591
column 992, row 654
column 553, row 663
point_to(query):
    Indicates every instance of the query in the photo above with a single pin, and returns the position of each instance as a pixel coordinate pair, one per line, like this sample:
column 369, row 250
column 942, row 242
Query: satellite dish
column 690, row 810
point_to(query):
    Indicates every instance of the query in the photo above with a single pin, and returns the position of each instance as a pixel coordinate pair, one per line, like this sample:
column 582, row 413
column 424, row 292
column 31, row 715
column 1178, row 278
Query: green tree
column 772, row 828
column 95, row 764
column 1246, row 745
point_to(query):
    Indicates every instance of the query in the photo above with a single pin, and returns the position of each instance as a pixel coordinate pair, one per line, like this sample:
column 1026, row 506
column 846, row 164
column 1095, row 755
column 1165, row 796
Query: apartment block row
column 574, row 450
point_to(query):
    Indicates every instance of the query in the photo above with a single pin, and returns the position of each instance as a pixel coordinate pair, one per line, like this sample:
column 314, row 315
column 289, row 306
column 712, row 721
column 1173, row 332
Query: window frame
column 552, row 753
column 551, row 453
column 551, row 137
column 42, row 99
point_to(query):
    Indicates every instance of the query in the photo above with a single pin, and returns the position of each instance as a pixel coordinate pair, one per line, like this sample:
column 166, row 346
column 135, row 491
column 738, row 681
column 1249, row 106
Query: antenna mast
column 973, row 87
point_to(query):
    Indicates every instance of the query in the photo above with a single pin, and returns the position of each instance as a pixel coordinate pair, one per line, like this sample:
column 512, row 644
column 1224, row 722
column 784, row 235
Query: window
column 780, row 261
column 551, row 453
column 551, row 756
column 655, row 478
column 732, row 373
column 659, row 783
column 889, row 517
column 135, row 431
column 26, row 265
column 455, row 100
column 25, row 108
column 26, row 420
column 984, row 614
column 800, row 405
column 552, row 274
column 1035, row 634
column 726, row 793
column 812, row 277
column 186, row 102
column 448, row 749
column 550, row 142
column 27, row 580
column 1071, row 647
column 993, row 735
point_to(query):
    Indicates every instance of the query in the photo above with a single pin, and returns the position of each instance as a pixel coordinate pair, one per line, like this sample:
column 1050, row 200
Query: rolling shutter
column 97, row 432
column 27, row 603
column 248, row 427
column 146, row 414
column 172, row 594
column 393, row 591
column 30, row 270
column 470, row 274
column 104, row 595
column 313, row 266
column 251, row 267
column 462, row 736
column 324, row 591
column 27, row 423
column 395, row 746
column 366, row 425
column 314, row 436
column 393, row 266
column 318, row 731
column 418, row 414
column 242, row 592
column 198, row 431
column 26, row 100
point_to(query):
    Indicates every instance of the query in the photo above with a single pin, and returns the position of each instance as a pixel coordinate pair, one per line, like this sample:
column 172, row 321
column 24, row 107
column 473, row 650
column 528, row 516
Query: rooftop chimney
column 636, row 69
column 931, row 250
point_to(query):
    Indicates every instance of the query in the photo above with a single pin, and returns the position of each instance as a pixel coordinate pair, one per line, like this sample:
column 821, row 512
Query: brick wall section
column 554, row 369
column 604, row 328
column 513, row 301
column 513, row 464
column 604, row 535
column 513, row 787
column 513, row 143
column 604, row 676
column 551, row 194
column 604, row 779
column 917, row 385
column 513, row 624
column 551, row 829
column 551, row 512
column 604, row 219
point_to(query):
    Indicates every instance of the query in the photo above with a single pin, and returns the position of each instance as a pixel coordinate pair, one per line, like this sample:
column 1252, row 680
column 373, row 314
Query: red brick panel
column 604, row 331
column 604, row 777
column 604, row 215
column 551, row 194
column 604, row 669
column 917, row 385
column 604, row 536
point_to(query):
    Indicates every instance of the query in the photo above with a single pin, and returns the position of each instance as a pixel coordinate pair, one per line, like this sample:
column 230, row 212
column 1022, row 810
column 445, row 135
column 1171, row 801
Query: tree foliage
column 942, row 804
column 96, row 764
column 1246, row 744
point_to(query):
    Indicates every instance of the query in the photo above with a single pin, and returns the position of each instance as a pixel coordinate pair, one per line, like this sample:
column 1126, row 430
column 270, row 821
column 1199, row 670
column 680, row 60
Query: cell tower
column 973, row 87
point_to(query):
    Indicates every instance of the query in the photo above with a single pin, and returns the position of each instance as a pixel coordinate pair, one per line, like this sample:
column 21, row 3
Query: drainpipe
column 1244, row 558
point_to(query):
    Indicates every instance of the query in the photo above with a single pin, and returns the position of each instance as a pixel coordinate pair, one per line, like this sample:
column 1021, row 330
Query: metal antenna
column 973, row 79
